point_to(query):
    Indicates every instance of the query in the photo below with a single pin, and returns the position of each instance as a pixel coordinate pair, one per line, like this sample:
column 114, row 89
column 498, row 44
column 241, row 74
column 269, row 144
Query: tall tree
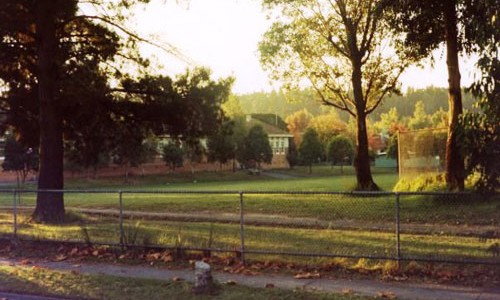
column 49, row 206
column 462, row 26
column 57, row 66
column 331, row 43
column 41, row 41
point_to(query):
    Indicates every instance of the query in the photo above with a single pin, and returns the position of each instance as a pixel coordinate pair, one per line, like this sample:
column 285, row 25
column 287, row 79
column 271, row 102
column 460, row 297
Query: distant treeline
column 284, row 105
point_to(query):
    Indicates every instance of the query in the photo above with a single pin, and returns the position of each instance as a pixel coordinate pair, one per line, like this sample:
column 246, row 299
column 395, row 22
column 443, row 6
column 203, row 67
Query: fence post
column 398, row 228
column 242, row 233
column 15, row 213
column 122, row 237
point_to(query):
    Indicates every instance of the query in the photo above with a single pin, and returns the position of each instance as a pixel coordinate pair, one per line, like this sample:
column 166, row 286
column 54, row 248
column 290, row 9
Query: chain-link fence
column 421, row 151
column 441, row 227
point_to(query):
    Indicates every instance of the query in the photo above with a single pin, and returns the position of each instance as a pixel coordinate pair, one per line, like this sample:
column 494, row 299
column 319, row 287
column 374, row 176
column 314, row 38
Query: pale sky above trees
column 223, row 35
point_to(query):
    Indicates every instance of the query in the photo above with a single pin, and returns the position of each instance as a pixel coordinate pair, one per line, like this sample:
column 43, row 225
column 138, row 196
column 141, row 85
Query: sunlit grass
column 226, row 236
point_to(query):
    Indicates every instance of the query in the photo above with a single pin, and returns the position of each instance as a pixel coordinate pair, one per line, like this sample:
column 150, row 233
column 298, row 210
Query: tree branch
column 168, row 48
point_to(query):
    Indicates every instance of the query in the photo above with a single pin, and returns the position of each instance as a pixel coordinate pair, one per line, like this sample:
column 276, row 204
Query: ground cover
column 40, row 281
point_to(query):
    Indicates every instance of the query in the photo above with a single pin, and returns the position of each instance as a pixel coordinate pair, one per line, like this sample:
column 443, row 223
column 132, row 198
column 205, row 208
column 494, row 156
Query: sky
column 223, row 35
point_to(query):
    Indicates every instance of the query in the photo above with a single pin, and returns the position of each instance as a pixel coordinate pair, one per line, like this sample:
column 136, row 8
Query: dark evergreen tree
column 173, row 155
column 310, row 149
column 255, row 148
column 19, row 159
column 340, row 151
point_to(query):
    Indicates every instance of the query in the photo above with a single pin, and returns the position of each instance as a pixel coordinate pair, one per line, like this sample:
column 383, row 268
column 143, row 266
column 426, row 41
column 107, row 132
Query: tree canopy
column 310, row 149
column 329, row 44
column 297, row 124
column 65, row 87
column 480, row 131
column 464, row 26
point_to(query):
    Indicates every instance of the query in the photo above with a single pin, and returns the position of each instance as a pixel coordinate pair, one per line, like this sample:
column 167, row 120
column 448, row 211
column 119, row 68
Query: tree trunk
column 454, row 161
column 361, row 160
column 49, row 205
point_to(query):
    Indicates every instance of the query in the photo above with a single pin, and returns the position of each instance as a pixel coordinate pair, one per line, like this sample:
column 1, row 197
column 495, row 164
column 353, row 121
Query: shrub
column 431, row 182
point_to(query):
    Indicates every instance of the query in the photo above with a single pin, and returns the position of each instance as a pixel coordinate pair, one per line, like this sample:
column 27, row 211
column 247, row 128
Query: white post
column 204, row 283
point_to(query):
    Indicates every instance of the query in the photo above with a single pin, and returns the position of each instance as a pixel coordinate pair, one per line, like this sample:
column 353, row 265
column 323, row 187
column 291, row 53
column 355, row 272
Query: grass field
column 339, row 224
column 147, row 196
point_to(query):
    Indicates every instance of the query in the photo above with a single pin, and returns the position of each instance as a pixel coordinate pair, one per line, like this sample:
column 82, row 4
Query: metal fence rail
column 436, row 227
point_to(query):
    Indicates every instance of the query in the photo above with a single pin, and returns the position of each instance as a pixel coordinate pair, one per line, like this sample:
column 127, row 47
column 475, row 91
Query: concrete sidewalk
column 403, row 290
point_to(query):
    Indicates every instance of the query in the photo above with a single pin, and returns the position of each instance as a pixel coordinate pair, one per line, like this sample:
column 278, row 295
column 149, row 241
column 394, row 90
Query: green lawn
column 419, row 209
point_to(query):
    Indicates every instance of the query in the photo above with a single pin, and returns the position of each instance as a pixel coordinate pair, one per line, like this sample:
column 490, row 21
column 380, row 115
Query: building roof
column 272, row 124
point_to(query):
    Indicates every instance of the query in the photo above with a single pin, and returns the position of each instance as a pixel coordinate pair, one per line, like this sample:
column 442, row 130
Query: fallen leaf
column 346, row 291
column 74, row 251
column 256, row 266
column 36, row 268
column 153, row 256
column 177, row 279
column 307, row 275
column 238, row 270
column 387, row 295
column 250, row 273
column 60, row 257
column 168, row 258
